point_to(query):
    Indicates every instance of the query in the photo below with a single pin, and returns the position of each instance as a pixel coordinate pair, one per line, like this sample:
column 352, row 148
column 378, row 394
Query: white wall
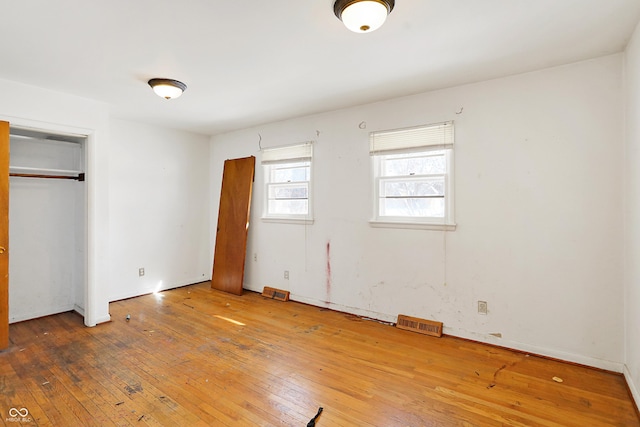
column 32, row 107
column 147, row 196
column 632, row 217
column 538, row 206
column 159, row 209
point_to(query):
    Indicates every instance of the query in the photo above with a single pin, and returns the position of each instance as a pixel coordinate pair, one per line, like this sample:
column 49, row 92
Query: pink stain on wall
column 328, row 271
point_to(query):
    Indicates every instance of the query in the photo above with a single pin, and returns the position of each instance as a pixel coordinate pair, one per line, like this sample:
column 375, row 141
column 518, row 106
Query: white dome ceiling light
column 363, row 16
column 167, row 88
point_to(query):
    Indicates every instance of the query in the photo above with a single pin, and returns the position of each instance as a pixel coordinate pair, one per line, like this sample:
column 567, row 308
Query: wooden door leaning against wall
column 233, row 225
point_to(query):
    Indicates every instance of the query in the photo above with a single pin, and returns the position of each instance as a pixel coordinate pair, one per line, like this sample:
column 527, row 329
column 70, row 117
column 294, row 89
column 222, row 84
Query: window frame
column 428, row 144
column 287, row 155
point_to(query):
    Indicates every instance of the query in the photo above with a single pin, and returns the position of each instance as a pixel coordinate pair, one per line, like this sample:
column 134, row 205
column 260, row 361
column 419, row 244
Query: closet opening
column 47, row 224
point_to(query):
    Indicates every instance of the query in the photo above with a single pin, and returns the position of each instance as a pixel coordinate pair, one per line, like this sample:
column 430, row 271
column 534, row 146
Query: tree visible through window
column 288, row 189
column 287, row 172
column 413, row 174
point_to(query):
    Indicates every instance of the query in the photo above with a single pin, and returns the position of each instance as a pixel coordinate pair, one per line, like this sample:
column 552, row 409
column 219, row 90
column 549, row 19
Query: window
column 413, row 176
column 287, row 177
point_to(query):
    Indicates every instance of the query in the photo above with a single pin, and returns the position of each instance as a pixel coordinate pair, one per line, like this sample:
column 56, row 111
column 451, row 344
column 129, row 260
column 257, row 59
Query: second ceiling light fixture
column 360, row 16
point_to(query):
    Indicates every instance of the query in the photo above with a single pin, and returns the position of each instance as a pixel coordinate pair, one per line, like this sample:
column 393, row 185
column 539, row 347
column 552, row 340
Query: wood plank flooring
column 198, row 357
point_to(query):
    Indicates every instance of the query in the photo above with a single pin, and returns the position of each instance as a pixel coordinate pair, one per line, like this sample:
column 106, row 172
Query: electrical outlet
column 482, row 307
column 255, row 257
column 141, row 272
column 286, row 274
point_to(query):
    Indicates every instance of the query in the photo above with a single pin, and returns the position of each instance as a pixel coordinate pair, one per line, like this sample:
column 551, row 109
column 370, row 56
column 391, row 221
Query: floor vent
column 274, row 293
column 422, row 326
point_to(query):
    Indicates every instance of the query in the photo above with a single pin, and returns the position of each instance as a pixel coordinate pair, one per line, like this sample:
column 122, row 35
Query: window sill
column 287, row 220
column 412, row 225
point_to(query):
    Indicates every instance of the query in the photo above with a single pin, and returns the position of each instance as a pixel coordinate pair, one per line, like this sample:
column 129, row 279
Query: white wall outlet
column 255, row 257
column 482, row 307
column 141, row 272
column 286, row 274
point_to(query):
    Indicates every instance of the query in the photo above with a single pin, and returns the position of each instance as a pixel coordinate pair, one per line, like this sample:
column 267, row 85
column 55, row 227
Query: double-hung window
column 287, row 177
column 413, row 176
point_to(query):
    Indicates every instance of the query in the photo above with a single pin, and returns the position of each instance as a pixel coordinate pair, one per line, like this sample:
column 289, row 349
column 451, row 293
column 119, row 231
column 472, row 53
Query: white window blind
column 413, row 176
column 287, row 191
column 287, row 154
column 436, row 136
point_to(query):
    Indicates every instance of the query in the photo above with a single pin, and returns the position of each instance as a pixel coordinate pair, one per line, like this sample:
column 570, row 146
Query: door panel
column 233, row 225
column 4, row 235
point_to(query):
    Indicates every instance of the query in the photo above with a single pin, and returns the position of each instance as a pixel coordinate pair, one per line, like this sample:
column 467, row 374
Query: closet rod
column 79, row 177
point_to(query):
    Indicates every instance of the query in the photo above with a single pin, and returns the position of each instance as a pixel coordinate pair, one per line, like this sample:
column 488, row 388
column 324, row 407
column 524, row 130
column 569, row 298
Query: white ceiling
column 248, row 62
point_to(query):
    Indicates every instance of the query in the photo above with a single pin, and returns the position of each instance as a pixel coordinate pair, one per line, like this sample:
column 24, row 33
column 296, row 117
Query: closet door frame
column 91, row 299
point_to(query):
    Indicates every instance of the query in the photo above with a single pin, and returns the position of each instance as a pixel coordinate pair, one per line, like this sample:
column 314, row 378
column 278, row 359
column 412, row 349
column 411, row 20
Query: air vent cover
column 422, row 326
column 274, row 293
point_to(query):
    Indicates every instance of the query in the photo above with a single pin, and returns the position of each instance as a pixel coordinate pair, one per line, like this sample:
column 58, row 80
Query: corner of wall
column 635, row 393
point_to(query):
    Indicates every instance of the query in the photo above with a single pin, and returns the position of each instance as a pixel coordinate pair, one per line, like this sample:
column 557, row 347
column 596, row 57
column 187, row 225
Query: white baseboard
column 147, row 291
column 343, row 308
column 632, row 386
column 21, row 317
column 593, row 362
column 607, row 365
column 104, row 319
column 78, row 310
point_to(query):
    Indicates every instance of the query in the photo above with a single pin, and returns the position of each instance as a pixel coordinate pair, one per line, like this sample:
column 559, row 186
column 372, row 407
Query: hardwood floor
column 196, row 356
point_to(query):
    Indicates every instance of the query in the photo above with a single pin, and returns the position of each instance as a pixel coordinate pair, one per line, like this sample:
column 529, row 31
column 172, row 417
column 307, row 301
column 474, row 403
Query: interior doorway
column 47, row 223
column 79, row 146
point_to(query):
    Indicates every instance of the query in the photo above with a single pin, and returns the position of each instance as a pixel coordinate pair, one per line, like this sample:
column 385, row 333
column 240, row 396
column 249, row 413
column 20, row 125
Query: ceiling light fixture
column 363, row 16
column 167, row 88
